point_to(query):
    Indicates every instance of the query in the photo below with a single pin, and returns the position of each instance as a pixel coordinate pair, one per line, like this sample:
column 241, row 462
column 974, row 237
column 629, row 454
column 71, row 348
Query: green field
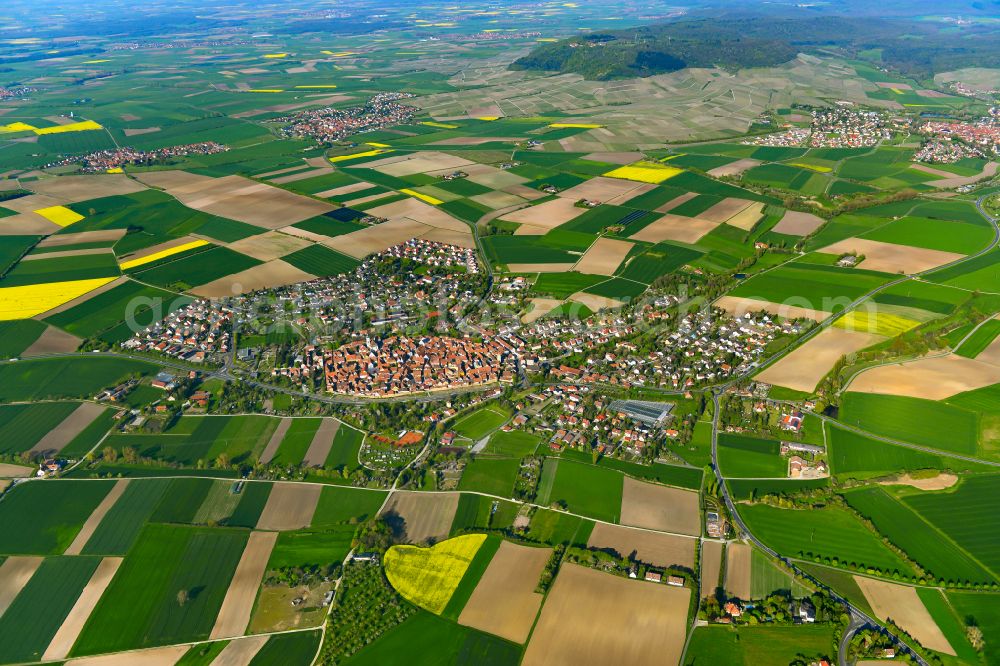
column 471, row 578
column 766, row 578
column 480, row 423
column 904, row 528
column 17, row 335
column 515, row 443
column 23, row 425
column 750, row 457
column 961, row 514
column 475, row 512
column 182, row 500
column 959, row 237
column 203, row 438
column 65, row 377
column 561, row 285
column 914, row 420
column 494, row 476
column 121, row 525
column 984, row 611
column 43, row 518
column 854, row 455
column 826, row 287
column 821, row 533
column 140, row 608
column 345, row 449
column 744, row 489
column 305, row 548
column 252, row 502
column 144, row 304
column 342, row 505
column 321, row 261
column 192, row 270
column 585, row 489
column 750, row 646
column 951, row 625
column 59, row 269
column 296, row 442
column 29, row 624
column 294, row 649
column 980, row 340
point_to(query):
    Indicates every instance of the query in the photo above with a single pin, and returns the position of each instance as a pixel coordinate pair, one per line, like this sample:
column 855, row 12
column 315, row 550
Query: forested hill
column 916, row 48
column 646, row 51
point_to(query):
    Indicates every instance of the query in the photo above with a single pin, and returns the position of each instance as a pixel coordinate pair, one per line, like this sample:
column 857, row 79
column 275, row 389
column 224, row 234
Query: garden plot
column 546, row 216
column 290, row 506
column 61, row 644
column 322, row 442
column 739, row 306
column 72, row 189
column 234, row 615
column 660, row 508
column 733, row 168
column 795, row 223
column 62, row 434
column 711, row 567
column 640, row 623
column 425, row 515
column 657, row 549
column 930, row 378
column 804, row 367
column 676, row 228
column 603, row 257
column 96, row 516
column 15, row 572
column 904, row 607
column 269, row 246
column 414, row 163
column 237, row 198
column 890, row 257
column 52, row 341
column 738, row 570
column 505, row 602
column 276, row 273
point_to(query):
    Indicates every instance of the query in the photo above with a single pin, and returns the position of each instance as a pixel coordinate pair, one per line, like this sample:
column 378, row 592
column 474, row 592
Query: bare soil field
column 931, row 378
column 425, row 515
column 274, row 273
column 738, row 570
column 269, row 246
column 96, row 516
column 419, row 211
column 604, row 257
column 988, row 171
column 601, row 189
column 904, row 607
column 302, row 233
column 545, row 216
column 804, row 367
column 641, row 623
column 302, row 175
column 890, row 85
column 498, row 199
column 234, row 615
column 357, row 201
column 52, row 341
column 9, row 471
column 661, row 550
column 892, row 258
column 103, row 236
column 595, row 302
column 161, row 656
column 505, row 602
column 449, row 237
column 69, row 631
column 941, row 481
column 724, row 210
column 475, row 140
column 322, row 442
column 422, row 162
column 237, row 198
column 739, row 306
column 68, row 253
column 62, row 434
column 359, row 244
column 290, row 506
column 621, row 158
column 539, row 268
column 675, row 227
column 82, row 188
column 26, row 224
column 159, row 247
column 240, row 652
column 83, row 298
column 539, row 308
column 139, row 131
column 711, row 567
column 15, row 572
column 796, row 223
column 660, row 507
column 676, row 201
column 343, row 189
column 734, row 168
column 747, row 218
column 490, row 176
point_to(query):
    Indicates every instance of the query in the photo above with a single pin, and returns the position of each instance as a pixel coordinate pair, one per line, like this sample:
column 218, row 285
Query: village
column 104, row 161
column 327, row 124
column 836, row 127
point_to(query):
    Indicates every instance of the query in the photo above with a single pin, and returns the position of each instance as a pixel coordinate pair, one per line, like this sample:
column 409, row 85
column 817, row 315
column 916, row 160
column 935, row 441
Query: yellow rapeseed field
column 310, row 87
column 82, row 126
column 34, row 299
column 156, row 256
column 275, row 55
column 59, row 215
column 645, row 172
column 575, row 125
column 880, row 323
column 431, row 123
column 367, row 153
column 428, row 577
column 423, row 197
column 812, row 167
column 374, row 144
column 266, row 90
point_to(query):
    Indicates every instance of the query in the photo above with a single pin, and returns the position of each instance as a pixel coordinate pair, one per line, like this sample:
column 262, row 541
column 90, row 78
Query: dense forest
column 917, row 49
